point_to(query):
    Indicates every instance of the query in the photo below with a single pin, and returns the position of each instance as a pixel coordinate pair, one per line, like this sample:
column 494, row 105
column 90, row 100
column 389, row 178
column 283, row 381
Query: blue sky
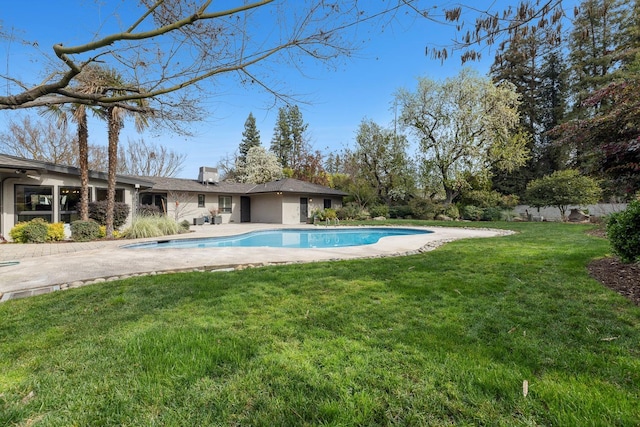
column 335, row 100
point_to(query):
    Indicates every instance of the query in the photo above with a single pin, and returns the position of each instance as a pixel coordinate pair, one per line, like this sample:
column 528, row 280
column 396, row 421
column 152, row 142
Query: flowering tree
column 261, row 166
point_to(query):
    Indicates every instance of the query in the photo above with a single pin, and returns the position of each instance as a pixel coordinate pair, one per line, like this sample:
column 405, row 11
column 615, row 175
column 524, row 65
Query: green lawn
column 441, row 338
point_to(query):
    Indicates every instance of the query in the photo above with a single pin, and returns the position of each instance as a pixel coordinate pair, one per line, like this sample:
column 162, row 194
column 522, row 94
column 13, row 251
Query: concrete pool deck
column 33, row 269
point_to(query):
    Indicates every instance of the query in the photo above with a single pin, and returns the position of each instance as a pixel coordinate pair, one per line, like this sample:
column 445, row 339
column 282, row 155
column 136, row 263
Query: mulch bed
column 614, row 274
column 622, row 278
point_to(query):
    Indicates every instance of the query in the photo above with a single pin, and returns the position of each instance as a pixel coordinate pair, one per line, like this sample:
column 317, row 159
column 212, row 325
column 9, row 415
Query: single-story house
column 31, row 189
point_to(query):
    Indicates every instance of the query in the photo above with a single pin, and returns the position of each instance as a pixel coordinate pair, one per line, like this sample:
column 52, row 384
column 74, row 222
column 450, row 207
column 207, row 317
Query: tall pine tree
column 593, row 49
column 550, row 155
column 289, row 141
column 521, row 61
column 250, row 137
column 281, row 143
column 593, row 60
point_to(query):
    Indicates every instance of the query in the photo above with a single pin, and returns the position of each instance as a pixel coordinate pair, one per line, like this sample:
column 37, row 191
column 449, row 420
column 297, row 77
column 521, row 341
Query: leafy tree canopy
column 465, row 126
column 563, row 189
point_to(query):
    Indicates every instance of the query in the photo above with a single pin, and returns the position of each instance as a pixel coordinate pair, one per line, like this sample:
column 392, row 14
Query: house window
column 69, row 201
column 224, row 204
column 152, row 203
column 201, row 200
column 101, row 194
column 34, row 202
column 327, row 203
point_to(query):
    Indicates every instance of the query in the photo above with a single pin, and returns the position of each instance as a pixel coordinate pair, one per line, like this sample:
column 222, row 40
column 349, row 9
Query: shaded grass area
column 445, row 337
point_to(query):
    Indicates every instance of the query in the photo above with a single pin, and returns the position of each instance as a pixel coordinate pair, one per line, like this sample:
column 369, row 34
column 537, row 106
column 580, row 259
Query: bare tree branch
column 175, row 46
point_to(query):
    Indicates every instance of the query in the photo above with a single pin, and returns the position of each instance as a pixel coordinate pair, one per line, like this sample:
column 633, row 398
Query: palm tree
column 89, row 84
column 115, row 117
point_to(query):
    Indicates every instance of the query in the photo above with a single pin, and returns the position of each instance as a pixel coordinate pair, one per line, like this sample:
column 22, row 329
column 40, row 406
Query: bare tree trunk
column 114, row 126
column 83, row 160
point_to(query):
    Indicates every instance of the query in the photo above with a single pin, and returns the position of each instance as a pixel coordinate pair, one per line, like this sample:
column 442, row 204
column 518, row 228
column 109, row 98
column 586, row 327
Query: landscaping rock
column 441, row 217
column 577, row 215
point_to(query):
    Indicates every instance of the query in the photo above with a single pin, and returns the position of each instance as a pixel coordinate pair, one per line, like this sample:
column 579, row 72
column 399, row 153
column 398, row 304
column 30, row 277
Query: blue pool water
column 287, row 238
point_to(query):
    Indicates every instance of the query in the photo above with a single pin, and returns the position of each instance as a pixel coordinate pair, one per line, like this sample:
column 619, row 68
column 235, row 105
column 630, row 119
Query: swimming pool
column 287, row 238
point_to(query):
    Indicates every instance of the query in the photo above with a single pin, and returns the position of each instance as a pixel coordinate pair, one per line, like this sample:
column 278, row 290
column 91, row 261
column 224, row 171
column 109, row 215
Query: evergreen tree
column 281, row 143
column 593, row 49
column 628, row 39
column 593, row 60
column 250, row 137
column 289, row 141
column 522, row 61
column 550, row 155
column 299, row 145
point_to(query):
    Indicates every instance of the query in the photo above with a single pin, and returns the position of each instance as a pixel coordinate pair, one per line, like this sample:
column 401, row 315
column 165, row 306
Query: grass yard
column 441, row 338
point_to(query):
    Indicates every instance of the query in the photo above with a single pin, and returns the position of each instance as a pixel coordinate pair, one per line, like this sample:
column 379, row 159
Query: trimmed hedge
column 84, row 231
column 98, row 212
column 35, row 231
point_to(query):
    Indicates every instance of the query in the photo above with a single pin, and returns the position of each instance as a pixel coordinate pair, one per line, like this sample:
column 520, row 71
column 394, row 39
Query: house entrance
column 245, row 209
column 304, row 209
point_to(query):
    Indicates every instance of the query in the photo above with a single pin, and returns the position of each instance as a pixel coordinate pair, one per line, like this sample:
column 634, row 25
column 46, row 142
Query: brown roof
column 154, row 183
column 11, row 162
column 288, row 185
column 192, row 185
column 18, row 163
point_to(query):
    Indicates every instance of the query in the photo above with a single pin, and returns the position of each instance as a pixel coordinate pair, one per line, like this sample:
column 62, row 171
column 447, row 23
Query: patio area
column 33, row 269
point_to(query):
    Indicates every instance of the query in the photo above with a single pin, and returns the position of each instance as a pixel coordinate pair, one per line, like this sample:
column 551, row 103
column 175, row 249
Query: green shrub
column 35, row 231
column 98, row 212
column 400, row 212
column 425, row 208
column 55, row 232
column 472, row 213
column 349, row 211
column 318, row 214
column 330, row 213
column 324, row 214
column 184, row 226
column 84, row 231
column 17, row 232
column 378, row 210
column 452, row 211
column 491, row 214
column 623, row 230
